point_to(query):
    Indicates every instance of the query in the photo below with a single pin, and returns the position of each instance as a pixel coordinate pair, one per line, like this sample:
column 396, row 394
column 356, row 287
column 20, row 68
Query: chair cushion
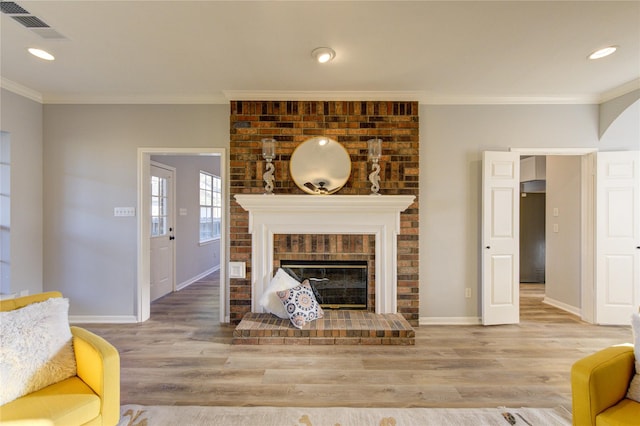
column 624, row 413
column 67, row 402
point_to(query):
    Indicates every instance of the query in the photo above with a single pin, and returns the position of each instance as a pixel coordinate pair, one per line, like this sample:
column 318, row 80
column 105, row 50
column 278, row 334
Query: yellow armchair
column 599, row 384
column 92, row 397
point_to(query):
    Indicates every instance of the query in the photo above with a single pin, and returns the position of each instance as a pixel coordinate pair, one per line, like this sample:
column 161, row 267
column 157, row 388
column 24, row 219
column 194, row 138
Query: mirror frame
column 319, row 161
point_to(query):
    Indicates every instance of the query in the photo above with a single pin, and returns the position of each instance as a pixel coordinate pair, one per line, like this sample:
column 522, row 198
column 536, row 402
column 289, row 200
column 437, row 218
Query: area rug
column 138, row 415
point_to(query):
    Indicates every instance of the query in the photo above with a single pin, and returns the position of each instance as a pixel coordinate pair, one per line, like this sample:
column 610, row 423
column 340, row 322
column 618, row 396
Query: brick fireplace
column 337, row 284
column 378, row 216
column 352, row 124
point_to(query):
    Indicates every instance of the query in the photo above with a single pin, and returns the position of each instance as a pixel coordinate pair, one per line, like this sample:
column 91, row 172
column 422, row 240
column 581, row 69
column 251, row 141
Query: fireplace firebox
column 336, row 284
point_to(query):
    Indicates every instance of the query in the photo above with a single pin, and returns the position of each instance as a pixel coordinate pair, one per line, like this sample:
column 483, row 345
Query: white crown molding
column 302, row 95
column 421, row 97
column 137, row 100
column 554, row 151
column 509, row 100
column 620, row 91
column 21, row 90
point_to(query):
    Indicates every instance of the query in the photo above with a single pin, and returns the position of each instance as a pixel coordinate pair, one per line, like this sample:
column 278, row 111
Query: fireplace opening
column 336, row 284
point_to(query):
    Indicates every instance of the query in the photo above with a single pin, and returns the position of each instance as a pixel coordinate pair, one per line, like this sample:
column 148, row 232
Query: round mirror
column 320, row 166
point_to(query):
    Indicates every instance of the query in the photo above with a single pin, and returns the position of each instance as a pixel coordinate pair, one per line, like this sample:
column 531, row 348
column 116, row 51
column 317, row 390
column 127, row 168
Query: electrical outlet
column 237, row 270
column 467, row 292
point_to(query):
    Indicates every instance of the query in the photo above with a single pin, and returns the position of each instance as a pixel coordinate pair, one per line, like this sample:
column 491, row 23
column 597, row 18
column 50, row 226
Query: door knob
column 488, row 247
column 171, row 237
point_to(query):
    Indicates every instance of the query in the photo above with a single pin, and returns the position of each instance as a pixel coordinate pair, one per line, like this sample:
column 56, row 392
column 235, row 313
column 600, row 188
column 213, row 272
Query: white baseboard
column 561, row 305
column 5, row 296
column 192, row 280
column 102, row 319
column 450, row 321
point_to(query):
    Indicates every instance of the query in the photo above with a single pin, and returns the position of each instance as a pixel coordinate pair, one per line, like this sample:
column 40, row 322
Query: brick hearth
column 338, row 327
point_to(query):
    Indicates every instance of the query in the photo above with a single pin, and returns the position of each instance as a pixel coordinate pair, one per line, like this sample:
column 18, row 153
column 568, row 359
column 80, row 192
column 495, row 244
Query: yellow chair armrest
column 21, row 302
column 98, row 365
column 600, row 381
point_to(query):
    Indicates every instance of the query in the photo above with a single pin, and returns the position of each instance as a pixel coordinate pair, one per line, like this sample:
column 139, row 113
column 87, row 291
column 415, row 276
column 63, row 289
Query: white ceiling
column 434, row 52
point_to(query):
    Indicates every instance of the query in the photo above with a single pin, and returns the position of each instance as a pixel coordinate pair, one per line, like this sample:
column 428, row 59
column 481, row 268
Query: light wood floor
column 183, row 356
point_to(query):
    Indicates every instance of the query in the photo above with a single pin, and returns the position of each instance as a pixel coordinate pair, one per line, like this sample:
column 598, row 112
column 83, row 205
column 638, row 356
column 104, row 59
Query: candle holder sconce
column 374, row 147
column 268, row 153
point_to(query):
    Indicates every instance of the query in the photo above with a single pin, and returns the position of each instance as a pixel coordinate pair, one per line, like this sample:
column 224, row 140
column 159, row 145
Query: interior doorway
column 532, row 237
column 143, row 293
column 501, row 239
column 533, row 184
column 551, row 233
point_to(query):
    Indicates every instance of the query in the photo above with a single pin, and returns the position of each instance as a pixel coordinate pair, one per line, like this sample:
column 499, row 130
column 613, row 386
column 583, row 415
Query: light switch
column 555, row 227
column 124, row 211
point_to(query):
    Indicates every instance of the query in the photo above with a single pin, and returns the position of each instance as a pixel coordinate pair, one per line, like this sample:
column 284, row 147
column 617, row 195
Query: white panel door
column 161, row 246
column 500, row 238
column 617, row 236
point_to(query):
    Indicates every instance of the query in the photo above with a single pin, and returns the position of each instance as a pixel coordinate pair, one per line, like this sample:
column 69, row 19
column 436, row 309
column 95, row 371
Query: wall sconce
column 268, row 153
column 374, row 147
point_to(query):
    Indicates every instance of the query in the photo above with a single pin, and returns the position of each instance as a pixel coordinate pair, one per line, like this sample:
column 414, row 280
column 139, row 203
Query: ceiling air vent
column 12, row 8
column 33, row 23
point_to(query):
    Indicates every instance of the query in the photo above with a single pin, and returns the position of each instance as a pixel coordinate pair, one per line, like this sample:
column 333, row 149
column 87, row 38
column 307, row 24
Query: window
column 159, row 204
column 210, row 206
column 5, row 217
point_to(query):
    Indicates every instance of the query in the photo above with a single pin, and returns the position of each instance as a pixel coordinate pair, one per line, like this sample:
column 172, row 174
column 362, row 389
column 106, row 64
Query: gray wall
column 91, row 153
column 192, row 259
column 563, row 263
column 91, row 167
column 22, row 119
column 452, row 139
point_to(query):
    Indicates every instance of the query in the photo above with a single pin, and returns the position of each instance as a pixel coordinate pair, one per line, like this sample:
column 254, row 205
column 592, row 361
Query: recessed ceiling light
column 323, row 54
column 601, row 53
column 41, row 54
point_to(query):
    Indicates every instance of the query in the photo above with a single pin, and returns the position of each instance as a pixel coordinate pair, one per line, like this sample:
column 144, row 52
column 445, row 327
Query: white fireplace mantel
column 377, row 215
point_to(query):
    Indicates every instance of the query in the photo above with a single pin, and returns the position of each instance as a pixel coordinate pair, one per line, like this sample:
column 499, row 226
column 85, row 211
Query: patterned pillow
column 301, row 304
column 634, row 387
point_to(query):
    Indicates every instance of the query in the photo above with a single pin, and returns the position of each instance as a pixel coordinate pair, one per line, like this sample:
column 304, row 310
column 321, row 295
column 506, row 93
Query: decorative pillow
column 270, row 301
column 300, row 304
column 634, row 387
column 36, row 348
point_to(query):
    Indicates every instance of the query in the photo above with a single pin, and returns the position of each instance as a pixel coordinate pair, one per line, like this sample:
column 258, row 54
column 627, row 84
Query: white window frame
column 215, row 207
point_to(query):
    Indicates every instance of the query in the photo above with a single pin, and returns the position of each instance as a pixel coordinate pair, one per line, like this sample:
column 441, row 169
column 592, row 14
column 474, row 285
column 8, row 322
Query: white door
column 500, row 238
column 617, row 236
column 161, row 245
